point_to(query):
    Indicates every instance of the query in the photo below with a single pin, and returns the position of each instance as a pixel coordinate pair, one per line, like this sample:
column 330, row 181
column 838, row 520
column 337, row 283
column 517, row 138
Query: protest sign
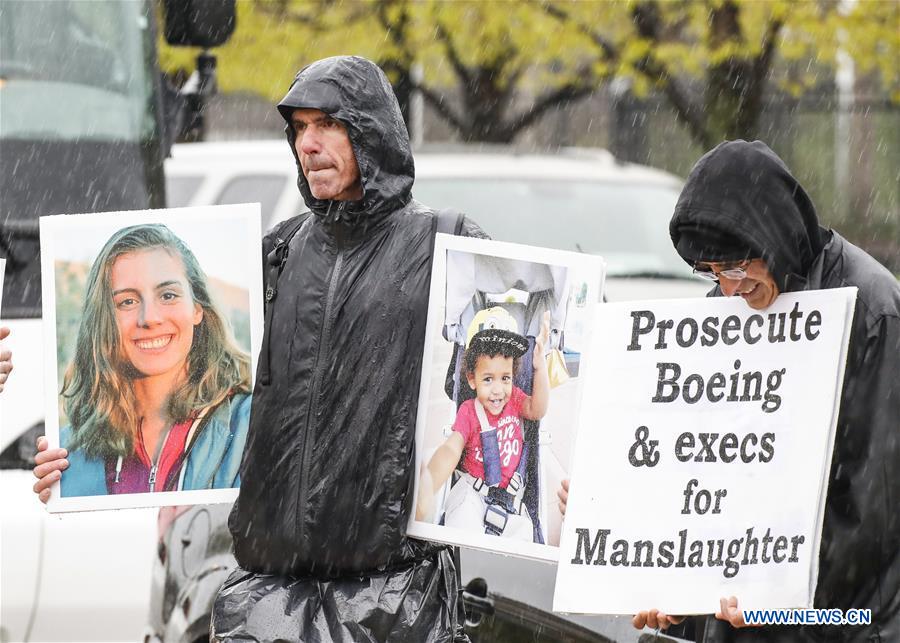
column 152, row 324
column 492, row 447
column 703, row 454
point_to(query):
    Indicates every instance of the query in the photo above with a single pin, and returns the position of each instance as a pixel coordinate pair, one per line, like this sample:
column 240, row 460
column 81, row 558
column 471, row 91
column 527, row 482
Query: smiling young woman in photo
column 157, row 394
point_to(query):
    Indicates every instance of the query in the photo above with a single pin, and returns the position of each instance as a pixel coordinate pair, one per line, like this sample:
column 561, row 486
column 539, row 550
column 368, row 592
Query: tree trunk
column 402, row 83
column 729, row 114
column 485, row 104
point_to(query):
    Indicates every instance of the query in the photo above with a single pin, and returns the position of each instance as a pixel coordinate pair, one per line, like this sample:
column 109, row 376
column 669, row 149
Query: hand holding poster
column 151, row 326
column 703, row 454
column 4, row 359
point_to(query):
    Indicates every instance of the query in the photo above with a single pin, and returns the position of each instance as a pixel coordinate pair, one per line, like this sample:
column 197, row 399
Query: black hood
column 741, row 200
column 356, row 92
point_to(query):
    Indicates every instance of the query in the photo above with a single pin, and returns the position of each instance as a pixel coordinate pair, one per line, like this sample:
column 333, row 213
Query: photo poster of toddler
column 506, row 347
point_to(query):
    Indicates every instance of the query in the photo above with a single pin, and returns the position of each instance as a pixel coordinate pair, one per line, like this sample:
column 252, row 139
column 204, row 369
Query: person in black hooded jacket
column 319, row 526
column 744, row 219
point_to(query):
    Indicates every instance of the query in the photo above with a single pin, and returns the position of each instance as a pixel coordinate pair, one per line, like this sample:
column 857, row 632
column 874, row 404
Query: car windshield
column 628, row 224
column 75, row 70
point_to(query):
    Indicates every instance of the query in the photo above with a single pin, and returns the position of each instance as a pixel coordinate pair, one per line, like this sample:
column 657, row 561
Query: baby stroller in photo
column 477, row 286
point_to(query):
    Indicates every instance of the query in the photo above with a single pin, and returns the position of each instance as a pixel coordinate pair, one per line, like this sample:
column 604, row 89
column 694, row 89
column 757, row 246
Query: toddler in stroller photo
column 495, row 487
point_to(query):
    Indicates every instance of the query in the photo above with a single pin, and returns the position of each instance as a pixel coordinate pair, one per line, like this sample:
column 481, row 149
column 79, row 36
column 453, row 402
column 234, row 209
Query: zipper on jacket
column 201, row 421
column 154, row 463
column 306, row 437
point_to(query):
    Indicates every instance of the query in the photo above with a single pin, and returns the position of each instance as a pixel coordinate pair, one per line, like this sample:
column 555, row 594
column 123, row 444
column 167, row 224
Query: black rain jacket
column 327, row 475
column 744, row 190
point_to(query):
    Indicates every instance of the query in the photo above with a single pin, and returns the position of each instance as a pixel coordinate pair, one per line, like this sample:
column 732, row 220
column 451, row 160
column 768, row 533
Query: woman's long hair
column 98, row 388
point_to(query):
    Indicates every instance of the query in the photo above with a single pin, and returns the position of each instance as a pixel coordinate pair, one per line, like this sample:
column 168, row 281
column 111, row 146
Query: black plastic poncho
column 327, row 476
column 744, row 191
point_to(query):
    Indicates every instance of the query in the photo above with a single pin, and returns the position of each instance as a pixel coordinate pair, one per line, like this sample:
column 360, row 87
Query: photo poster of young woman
column 505, row 352
column 152, row 324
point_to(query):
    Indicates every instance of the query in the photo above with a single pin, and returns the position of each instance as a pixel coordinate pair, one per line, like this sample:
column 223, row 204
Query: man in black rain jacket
column 326, row 482
column 742, row 208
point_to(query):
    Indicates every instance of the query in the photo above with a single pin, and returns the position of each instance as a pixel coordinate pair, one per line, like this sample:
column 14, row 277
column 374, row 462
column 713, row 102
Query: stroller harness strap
column 489, row 448
column 507, row 498
column 499, row 502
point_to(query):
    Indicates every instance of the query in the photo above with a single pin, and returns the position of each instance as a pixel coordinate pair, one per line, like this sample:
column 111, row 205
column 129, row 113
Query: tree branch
column 687, row 112
column 397, row 32
column 647, row 21
column 750, row 99
column 437, row 102
column 461, row 70
column 280, row 11
column 549, row 100
column 512, row 81
column 763, row 61
column 609, row 50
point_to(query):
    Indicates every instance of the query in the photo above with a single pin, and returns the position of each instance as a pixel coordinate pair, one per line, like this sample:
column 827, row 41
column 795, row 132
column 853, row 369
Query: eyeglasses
column 734, row 272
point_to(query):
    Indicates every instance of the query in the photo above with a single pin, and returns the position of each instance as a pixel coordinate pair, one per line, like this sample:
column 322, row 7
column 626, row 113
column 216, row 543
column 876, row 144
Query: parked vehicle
column 85, row 122
column 577, row 200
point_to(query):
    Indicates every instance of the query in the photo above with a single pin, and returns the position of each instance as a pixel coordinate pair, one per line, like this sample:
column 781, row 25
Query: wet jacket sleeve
column 865, row 488
column 861, row 548
column 472, row 229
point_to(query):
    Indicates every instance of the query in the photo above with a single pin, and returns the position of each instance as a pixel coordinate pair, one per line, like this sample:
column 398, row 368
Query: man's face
column 758, row 287
column 492, row 382
column 326, row 156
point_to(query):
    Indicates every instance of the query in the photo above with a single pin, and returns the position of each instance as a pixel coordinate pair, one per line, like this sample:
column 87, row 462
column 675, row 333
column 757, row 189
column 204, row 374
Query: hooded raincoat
column 320, row 524
column 742, row 195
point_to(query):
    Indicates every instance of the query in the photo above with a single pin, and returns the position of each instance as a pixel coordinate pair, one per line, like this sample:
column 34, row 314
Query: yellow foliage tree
column 713, row 60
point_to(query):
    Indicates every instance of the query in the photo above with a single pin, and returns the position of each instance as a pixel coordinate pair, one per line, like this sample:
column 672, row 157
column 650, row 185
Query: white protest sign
column 2, row 273
column 703, row 452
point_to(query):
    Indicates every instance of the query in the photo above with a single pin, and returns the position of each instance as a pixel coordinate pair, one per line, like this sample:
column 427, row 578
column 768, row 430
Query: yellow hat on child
column 491, row 318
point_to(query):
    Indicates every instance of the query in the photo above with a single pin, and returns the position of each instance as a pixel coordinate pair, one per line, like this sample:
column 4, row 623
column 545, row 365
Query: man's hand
column 540, row 342
column 655, row 619
column 563, row 494
column 49, row 465
column 729, row 611
column 5, row 359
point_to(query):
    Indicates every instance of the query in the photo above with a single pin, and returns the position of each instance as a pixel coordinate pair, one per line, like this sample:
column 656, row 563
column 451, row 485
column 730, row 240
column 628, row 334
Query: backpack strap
column 448, row 222
column 275, row 258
